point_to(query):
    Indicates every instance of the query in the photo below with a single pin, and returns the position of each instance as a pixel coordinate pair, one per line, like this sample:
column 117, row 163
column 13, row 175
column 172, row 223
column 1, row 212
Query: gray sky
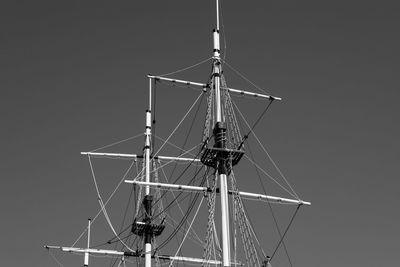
column 73, row 79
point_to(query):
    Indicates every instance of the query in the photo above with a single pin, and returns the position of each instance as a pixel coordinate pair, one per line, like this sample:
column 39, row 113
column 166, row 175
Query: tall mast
column 219, row 135
column 217, row 68
column 147, row 201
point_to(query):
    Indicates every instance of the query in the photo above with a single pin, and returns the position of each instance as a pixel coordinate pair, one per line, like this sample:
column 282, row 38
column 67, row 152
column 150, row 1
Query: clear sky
column 73, row 79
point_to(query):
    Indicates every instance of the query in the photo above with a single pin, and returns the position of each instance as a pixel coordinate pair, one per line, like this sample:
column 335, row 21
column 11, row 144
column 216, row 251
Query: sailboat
column 165, row 208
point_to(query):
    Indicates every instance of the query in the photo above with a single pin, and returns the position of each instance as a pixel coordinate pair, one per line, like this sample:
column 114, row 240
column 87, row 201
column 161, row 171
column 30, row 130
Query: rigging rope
column 186, row 68
column 230, row 114
column 271, row 210
column 139, row 198
column 293, row 193
column 102, row 205
column 209, row 242
column 184, row 117
column 268, row 155
column 251, row 227
column 284, row 234
column 188, row 133
column 244, row 78
column 258, row 168
column 245, row 227
column 117, row 142
column 109, row 198
column 54, row 258
column 182, row 150
column 127, row 206
column 187, row 213
column 223, row 33
column 197, row 238
column 206, row 131
column 183, row 172
column 157, row 193
column 190, row 226
column 267, row 174
column 276, row 166
column 255, row 124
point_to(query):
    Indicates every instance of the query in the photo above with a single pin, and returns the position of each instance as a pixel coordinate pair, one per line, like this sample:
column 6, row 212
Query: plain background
column 73, row 78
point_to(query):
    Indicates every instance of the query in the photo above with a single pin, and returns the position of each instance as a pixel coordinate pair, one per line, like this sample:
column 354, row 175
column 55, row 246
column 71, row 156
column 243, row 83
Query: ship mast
column 219, row 135
column 147, row 201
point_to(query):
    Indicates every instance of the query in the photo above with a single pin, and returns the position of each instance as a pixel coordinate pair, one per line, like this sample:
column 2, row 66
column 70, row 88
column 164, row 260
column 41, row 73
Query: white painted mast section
column 147, row 245
column 148, row 139
column 219, row 119
column 246, row 195
column 216, row 75
column 86, row 259
column 226, row 245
